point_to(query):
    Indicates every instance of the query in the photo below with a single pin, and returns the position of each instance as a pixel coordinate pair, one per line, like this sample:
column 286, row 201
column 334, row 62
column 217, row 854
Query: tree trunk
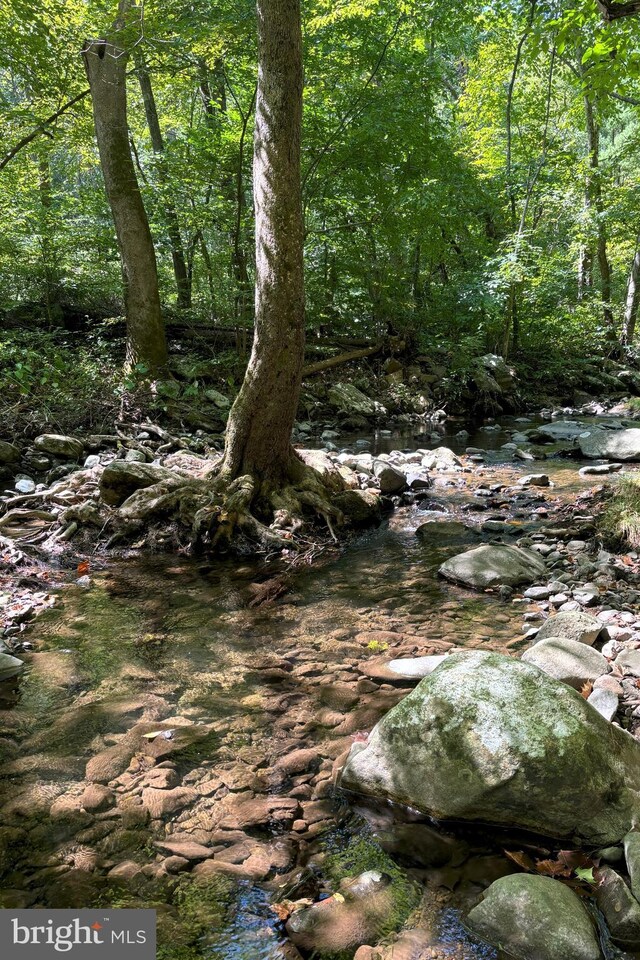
column 106, row 71
column 631, row 300
column 180, row 272
column 594, row 188
column 259, row 429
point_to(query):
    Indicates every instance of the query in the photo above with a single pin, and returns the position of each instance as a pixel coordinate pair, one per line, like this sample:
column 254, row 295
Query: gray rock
column 601, row 469
column 120, row 479
column 535, row 918
column 538, row 593
column 567, row 660
column 574, row 625
column 561, row 430
column 632, row 857
column 348, row 399
column 25, row 484
column 391, row 479
column 9, row 453
column 416, row 666
column 535, row 480
column 473, row 741
column 620, row 908
column 442, row 458
column 218, row 399
column 492, row 565
column 629, row 662
column 9, row 666
column 93, row 460
column 59, row 446
column 135, row 456
column 620, row 445
column 604, row 701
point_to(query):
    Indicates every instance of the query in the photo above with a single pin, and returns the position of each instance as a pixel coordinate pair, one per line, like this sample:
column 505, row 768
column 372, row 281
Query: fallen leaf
column 586, row 874
column 83, row 568
column 586, row 690
column 522, row 859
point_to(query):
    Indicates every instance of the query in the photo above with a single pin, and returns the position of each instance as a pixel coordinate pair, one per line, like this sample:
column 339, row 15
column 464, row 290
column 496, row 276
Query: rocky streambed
column 173, row 743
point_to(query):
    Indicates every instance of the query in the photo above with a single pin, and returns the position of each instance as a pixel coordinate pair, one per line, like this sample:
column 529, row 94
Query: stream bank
column 171, row 745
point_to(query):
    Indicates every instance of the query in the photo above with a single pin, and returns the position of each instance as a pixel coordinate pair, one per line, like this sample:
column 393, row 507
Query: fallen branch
column 314, row 368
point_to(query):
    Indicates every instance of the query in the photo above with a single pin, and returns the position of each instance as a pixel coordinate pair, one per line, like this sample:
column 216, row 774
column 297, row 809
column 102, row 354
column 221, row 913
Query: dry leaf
column 522, row 859
column 83, row 568
column 586, row 690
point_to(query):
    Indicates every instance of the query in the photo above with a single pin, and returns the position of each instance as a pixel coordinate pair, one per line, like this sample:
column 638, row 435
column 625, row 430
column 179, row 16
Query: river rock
column 605, row 701
column 361, row 508
column 535, row 480
column 621, row 445
column 349, row 400
column 561, row 430
column 442, row 458
column 9, row 453
column 629, row 662
column 567, row 660
column 120, row 479
column 493, row 565
column 572, row 625
column 473, row 741
column 600, row 469
column 620, row 908
column 59, row 445
column 343, row 923
column 535, row 918
column 391, row 479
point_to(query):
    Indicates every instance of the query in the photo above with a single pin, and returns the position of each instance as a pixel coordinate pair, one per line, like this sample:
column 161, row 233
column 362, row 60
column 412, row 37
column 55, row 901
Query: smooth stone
column 9, row 453
column 416, row 666
column 492, row 565
column 9, row 666
column 473, row 740
column 391, row 479
column 567, row 660
column 442, row 458
column 535, row 918
column 600, row 469
column 59, row 445
column 25, row 485
column 605, row 701
column 572, row 624
column 535, row 480
column 618, row 445
column 620, row 908
column 632, row 857
column 629, row 662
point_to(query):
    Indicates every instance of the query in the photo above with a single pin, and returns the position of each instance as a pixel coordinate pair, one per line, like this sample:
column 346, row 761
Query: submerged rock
column 492, row 565
column 493, row 739
column 535, row 918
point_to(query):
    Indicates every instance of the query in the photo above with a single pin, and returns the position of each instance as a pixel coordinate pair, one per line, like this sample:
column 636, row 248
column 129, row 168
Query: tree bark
column 259, row 428
column 631, row 300
column 594, row 189
column 105, row 64
column 183, row 284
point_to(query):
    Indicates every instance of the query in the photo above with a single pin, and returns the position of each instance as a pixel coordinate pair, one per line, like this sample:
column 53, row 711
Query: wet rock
column 59, row 446
column 620, row 908
column 391, row 479
column 535, row 918
column 161, row 803
column 561, row 430
column 186, row 849
column 298, row 761
column 600, row 469
column 346, row 922
column 492, row 565
column 244, row 811
column 572, row 625
column 473, row 740
column 567, row 660
column 620, row 445
column 96, row 798
column 121, row 478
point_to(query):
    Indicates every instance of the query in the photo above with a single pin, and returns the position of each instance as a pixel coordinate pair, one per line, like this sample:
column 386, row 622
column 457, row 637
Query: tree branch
column 41, row 128
column 611, row 11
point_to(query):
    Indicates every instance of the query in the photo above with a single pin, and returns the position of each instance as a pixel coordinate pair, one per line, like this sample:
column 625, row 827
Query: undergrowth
column 620, row 521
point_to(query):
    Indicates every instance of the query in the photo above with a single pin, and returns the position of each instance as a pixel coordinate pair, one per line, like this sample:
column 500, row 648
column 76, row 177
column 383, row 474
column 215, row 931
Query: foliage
column 621, row 519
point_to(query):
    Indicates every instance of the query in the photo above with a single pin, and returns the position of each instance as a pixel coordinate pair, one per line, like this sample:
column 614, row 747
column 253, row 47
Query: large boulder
column 611, row 444
column 572, row 625
column 567, row 660
column 391, row 479
column 491, row 739
column 535, row 918
column 349, row 400
column 560, row 430
column 59, row 446
column 120, row 479
column 492, row 565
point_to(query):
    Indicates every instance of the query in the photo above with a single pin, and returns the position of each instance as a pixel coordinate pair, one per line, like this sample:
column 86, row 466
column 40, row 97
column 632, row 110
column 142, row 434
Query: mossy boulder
column 535, row 918
column 487, row 738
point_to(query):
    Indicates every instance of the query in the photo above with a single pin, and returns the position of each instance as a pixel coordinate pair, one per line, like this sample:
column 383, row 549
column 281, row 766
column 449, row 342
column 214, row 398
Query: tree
column 105, row 64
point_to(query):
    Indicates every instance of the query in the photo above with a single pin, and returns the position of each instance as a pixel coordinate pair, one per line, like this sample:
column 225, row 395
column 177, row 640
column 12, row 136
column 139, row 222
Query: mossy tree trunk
column 105, row 64
column 259, row 429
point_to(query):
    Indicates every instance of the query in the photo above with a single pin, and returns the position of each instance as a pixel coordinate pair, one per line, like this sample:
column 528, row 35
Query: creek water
column 177, row 637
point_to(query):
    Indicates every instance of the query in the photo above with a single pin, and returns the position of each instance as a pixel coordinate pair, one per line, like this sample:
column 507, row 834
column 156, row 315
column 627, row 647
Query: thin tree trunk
column 594, row 188
column 631, row 300
column 259, row 428
column 105, row 64
column 180, row 272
